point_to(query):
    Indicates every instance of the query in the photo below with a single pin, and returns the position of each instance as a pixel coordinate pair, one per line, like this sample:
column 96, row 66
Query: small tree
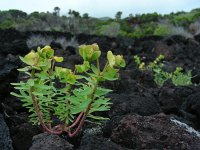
column 17, row 13
column 85, row 16
column 73, row 13
column 118, row 16
column 56, row 11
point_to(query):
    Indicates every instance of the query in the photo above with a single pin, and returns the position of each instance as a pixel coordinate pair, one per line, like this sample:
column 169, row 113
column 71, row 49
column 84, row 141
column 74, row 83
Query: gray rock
column 153, row 132
column 45, row 141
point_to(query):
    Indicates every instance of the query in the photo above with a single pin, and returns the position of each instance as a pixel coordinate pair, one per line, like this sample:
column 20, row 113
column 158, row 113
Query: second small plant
column 177, row 77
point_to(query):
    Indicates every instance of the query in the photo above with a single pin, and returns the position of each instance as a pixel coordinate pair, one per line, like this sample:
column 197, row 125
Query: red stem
column 77, row 129
column 77, row 120
column 71, row 126
column 39, row 114
column 67, row 129
column 55, row 130
column 85, row 114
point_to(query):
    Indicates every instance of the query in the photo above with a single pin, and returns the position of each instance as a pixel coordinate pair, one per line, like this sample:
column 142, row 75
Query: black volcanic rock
column 45, row 141
column 193, row 104
column 13, row 42
column 153, row 132
column 5, row 139
column 92, row 142
column 134, row 94
column 8, row 74
column 123, row 104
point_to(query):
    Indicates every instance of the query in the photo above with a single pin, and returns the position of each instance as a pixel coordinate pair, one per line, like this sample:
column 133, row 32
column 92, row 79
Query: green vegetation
column 177, row 77
column 136, row 26
column 111, row 29
column 70, row 96
column 184, row 19
column 162, row 30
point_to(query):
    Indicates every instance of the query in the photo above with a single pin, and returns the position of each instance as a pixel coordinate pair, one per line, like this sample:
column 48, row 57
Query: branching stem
column 72, row 134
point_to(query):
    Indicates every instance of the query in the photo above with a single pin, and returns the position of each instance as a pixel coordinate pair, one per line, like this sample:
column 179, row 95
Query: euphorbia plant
column 56, row 93
column 160, row 76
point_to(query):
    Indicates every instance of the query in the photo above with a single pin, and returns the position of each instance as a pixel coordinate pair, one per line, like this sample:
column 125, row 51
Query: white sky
column 102, row 8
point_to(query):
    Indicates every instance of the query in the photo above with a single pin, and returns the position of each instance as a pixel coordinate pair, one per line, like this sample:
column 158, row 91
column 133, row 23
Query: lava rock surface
column 140, row 116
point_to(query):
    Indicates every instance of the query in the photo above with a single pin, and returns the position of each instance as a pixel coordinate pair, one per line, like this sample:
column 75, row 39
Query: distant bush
column 111, row 30
column 7, row 24
column 139, row 31
column 144, row 30
column 185, row 19
column 125, row 26
column 137, row 26
column 33, row 25
column 146, row 18
column 169, row 29
column 162, row 30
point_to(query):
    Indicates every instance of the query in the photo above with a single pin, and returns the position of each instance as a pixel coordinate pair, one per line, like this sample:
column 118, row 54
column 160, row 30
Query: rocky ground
column 142, row 116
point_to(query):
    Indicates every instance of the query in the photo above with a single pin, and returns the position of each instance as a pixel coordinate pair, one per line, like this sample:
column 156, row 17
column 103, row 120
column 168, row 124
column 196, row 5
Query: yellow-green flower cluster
column 65, row 75
column 115, row 60
column 42, row 58
column 89, row 52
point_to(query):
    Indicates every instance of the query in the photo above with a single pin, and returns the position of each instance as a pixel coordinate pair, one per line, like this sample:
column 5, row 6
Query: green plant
column 111, row 29
column 162, row 30
column 70, row 96
column 177, row 77
column 7, row 24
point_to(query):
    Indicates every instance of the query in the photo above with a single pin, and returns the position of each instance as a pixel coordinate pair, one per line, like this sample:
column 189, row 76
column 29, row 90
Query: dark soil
column 142, row 116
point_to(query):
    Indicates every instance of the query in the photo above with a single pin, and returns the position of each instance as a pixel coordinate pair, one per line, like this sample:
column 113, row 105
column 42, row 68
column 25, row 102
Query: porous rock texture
column 5, row 140
column 141, row 111
column 153, row 132
column 45, row 141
